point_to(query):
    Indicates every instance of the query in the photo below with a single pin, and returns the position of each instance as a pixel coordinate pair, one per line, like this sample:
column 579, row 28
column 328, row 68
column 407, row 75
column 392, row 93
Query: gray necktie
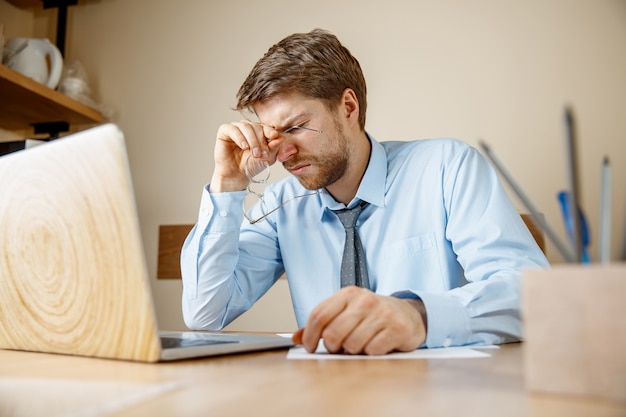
column 353, row 266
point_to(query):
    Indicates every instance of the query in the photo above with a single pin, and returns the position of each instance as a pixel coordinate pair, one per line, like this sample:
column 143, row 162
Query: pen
column 566, row 209
column 605, row 214
column 565, row 252
column 572, row 157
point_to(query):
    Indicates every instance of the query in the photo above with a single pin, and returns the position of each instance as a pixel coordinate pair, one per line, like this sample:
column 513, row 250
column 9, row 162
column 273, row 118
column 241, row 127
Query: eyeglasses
column 262, row 170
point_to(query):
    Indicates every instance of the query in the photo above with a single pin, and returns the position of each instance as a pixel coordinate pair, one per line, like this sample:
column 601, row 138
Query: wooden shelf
column 26, row 102
column 25, row 4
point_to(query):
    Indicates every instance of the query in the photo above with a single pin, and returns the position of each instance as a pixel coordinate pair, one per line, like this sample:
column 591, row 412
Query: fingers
column 235, row 143
column 319, row 319
column 391, row 324
column 355, row 320
column 296, row 337
column 351, row 329
column 247, row 136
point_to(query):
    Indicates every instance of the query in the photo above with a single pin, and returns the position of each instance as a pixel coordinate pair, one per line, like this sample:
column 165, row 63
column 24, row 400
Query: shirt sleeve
column 492, row 245
column 220, row 281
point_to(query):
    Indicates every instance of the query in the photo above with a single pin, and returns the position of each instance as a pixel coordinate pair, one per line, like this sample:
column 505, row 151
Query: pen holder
column 575, row 330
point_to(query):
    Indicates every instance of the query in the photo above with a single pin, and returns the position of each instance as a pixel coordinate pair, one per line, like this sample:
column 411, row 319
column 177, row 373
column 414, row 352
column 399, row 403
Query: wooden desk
column 267, row 384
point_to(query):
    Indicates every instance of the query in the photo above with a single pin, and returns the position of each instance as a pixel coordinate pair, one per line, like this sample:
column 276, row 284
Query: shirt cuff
column 220, row 212
column 448, row 321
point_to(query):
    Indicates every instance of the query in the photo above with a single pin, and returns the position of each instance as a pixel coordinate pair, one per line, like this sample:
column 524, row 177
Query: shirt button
column 447, row 342
column 223, row 213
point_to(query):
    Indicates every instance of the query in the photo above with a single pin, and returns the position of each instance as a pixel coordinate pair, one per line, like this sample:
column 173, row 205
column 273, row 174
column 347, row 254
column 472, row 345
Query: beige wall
column 494, row 69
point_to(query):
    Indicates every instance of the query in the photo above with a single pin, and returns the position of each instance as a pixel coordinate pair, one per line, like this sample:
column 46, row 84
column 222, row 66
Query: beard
column 330, row 165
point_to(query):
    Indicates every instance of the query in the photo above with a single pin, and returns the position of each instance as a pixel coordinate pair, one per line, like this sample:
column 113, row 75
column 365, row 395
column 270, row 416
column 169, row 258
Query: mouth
column 298, row 170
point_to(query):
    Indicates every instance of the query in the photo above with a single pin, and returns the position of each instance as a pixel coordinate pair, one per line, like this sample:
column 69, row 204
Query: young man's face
column 317, row 159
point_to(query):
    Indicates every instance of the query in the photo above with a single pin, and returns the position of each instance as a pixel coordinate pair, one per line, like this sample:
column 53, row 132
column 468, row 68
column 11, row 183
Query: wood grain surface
column 268, row 384
column 71, row 259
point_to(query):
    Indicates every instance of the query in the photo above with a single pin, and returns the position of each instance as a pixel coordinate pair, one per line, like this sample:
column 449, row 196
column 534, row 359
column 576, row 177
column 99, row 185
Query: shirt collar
column 372, row 187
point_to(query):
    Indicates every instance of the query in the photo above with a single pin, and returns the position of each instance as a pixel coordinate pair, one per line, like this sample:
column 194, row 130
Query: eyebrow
column 289, row 123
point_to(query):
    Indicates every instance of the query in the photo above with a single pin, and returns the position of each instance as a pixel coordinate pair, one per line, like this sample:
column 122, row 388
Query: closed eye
column 292, row 128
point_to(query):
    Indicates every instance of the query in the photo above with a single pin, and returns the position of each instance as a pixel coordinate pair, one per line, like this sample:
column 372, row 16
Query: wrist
column 220, row 184
column 416, row 302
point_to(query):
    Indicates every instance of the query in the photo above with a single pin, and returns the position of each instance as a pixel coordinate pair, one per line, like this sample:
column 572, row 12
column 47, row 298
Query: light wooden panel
column 574, row 332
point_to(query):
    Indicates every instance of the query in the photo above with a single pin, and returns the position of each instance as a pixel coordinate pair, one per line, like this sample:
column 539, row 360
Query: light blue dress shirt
column 439, row 226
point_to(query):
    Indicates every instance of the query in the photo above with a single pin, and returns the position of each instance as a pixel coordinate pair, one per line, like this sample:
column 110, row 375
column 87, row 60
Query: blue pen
column 564, row 199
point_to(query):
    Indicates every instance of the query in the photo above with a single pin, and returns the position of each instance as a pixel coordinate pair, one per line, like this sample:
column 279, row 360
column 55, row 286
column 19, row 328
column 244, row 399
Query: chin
column 310, row 184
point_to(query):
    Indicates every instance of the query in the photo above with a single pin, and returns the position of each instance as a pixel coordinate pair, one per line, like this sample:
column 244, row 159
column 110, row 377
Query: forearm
column 225, row 269
column 223, row 184
column 418, row 305
column 208, row 261
column 205, row 282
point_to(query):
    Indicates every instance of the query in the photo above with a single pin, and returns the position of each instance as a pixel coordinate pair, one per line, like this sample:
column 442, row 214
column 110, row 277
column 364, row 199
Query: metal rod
column 562, row 248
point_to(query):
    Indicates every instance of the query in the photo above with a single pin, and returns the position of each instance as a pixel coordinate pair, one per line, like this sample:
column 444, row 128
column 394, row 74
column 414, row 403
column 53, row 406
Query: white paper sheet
column 298, row 352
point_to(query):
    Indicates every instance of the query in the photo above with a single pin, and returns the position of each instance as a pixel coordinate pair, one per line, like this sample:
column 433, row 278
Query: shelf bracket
column 61, row 19
column 51, row 128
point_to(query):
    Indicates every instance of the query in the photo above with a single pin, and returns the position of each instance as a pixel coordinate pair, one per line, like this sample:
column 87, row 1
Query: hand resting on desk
column 355, row 320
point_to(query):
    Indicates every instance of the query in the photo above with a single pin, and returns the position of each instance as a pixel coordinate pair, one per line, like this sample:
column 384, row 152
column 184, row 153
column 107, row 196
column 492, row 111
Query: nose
column 285, row 151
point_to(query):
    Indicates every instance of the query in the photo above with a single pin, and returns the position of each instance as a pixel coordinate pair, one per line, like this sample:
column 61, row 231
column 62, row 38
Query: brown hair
column 313, row 64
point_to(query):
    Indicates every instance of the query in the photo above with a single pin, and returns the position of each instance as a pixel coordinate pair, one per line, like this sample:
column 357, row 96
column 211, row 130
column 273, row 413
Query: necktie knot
column 348, row 217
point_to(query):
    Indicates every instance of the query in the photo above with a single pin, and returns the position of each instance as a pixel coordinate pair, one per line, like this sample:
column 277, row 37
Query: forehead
column 284, row 110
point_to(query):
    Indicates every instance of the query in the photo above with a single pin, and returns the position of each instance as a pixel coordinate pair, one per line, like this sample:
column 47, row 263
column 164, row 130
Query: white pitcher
column 38, row 59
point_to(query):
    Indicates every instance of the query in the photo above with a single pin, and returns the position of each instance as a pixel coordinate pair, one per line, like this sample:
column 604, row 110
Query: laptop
column 73, row 275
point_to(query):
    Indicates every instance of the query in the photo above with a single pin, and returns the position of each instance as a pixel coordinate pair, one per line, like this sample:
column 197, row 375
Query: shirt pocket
column 411, row 263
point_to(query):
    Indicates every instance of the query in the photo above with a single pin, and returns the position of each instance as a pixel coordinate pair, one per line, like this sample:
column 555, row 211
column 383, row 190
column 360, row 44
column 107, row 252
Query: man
column 439, row 244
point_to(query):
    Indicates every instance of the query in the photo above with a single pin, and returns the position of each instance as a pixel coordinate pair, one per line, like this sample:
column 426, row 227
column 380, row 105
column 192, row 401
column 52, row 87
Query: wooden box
column 575, row 330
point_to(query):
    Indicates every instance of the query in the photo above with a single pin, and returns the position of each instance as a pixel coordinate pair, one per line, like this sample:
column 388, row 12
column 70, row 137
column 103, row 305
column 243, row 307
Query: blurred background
column 167, row 72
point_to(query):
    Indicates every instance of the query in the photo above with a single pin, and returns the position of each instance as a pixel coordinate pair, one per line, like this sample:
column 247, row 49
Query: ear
column 349, row 107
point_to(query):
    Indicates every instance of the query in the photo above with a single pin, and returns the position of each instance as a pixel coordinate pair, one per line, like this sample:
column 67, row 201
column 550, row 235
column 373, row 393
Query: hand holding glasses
column 258, row 172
